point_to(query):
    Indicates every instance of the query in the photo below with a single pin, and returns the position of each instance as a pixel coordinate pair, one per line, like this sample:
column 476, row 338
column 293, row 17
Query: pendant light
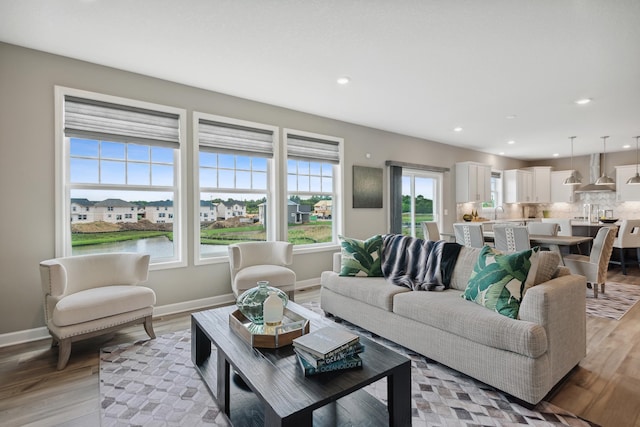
column 573, row 178
column 635, row 180
column 604, row 179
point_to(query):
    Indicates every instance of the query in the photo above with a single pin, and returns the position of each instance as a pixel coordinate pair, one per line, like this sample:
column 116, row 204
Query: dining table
column 552, row 242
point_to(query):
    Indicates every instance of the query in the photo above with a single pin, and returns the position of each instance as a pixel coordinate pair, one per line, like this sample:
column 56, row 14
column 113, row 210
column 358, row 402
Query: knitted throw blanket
column 420, row 265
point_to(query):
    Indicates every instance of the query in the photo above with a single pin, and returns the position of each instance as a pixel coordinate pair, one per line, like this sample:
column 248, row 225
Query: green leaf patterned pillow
column 497, row 280
column 361, row 257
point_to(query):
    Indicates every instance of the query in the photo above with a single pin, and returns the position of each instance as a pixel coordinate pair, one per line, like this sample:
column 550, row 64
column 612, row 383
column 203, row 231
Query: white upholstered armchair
column 253, row 261
column 90, row 295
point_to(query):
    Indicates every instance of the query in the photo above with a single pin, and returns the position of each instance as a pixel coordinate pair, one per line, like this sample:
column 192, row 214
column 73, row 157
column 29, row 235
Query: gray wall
column 27, row 80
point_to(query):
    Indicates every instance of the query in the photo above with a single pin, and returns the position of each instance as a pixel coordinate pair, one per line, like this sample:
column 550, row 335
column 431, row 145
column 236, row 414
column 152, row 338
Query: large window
column 313, row 180
column 496, row 193
column 120, row 166
column 421, row 200
column 234, row 171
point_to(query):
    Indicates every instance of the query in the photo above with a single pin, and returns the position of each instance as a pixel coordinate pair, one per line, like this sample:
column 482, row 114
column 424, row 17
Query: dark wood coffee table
column 281, row 394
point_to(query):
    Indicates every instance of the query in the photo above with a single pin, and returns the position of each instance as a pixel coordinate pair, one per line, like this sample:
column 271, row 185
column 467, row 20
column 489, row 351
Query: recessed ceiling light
column 556, row 154
column 458, row 129
column 583, row 101
column 626, row 146
column 501, row 153
column 511, row 142
column 511, row 117
column 343, row 80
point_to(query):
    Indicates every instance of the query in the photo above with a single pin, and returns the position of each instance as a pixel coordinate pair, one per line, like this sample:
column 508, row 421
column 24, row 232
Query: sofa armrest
column 337, row 262
column 559, row 306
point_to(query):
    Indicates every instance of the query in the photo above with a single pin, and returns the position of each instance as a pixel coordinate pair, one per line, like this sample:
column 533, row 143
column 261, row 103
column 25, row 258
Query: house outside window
column 235, row 175
column 313, row 184
column 114, row 156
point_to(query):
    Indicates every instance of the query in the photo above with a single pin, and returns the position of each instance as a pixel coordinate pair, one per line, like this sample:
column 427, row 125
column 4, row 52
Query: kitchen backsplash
column 604, row 200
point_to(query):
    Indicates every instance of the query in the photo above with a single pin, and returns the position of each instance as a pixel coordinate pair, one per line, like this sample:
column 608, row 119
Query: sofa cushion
column 497, row 281
column 446, row 311
column 375, row 291
column 544, row 265
column 97, row 303
column 464, row 267
column 361, row 257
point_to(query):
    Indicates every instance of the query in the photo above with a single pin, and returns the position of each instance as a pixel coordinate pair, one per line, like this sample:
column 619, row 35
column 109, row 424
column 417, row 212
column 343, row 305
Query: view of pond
column 157, row 247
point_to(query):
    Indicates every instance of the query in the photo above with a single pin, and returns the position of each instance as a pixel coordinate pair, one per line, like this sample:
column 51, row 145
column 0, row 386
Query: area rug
column 615, row 302
column 153, row 383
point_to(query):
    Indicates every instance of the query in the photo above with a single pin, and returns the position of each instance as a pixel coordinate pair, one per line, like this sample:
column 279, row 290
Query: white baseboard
column 35, row 334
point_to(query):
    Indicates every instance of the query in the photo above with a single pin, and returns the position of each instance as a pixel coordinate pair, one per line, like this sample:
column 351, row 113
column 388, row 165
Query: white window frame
column 337, row 210
column 273, row 165
column 62, row 175
column 499, row 192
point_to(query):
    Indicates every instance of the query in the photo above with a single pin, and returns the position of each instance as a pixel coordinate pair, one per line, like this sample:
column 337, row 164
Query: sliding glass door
column 421, row 200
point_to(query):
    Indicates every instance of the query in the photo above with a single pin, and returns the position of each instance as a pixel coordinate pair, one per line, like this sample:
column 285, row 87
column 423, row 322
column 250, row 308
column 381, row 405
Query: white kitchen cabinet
column 518, row 186
column 473, row 182
column 541, row 190
column 624, row 191
column 561, row 193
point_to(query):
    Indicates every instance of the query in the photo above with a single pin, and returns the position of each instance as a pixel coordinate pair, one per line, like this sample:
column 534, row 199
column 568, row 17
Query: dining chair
column 628, row 237
column 594, row 266
column 543, row 228
column 430, row 230
column 469, row 234
column 511, row 238
column 564, row 225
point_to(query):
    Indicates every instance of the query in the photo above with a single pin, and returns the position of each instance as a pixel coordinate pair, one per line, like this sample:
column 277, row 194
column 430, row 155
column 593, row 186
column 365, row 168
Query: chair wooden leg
column 624, row 268
column 64, row 351
column 291, row 295
column 595, row 290
column 148, row 327
column 602, row 288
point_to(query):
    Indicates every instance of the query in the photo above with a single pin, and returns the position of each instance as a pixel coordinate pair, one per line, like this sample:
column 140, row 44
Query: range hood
column 594, row 174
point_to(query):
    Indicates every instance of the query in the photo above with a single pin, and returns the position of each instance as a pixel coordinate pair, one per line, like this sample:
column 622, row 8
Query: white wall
column 27, row 80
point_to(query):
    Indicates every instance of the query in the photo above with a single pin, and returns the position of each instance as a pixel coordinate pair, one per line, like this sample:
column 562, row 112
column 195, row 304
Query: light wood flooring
column 605, row 388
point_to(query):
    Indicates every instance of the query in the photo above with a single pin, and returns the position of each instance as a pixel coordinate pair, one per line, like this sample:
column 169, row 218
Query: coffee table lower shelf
column 281, row 395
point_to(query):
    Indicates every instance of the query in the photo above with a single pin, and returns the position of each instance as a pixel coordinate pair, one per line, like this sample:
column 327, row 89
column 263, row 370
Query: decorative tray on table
column 263, row 336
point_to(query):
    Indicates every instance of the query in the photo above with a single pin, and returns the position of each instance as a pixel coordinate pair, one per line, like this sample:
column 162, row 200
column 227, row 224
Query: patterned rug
column 153, row 383
column 615, row 302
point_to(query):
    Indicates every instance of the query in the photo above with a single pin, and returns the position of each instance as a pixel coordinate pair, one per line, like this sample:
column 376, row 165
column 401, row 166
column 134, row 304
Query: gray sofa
column 524, row 357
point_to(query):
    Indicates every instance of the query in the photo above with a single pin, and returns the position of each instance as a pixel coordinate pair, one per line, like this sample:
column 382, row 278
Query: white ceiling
column 417, row 67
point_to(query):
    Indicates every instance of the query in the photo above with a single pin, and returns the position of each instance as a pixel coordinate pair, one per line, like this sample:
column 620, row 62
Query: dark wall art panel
column 367, row 187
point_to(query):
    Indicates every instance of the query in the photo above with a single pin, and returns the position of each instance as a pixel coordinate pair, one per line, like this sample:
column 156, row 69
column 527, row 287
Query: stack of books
column 328, row 349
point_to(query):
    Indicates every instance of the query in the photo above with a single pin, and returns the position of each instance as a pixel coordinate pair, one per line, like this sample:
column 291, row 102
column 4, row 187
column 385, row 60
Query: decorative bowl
column 608, row 220
column 250, row 303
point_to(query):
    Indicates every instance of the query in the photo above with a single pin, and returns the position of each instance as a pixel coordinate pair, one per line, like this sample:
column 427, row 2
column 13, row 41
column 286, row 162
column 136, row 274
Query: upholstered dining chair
column 628, row 237
column 469, row 234
column 564, row 225
column 430, row 230
column 511, row 238
column 594, row 266
column 543, row 228
column 91, row 295
column 251, row 262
